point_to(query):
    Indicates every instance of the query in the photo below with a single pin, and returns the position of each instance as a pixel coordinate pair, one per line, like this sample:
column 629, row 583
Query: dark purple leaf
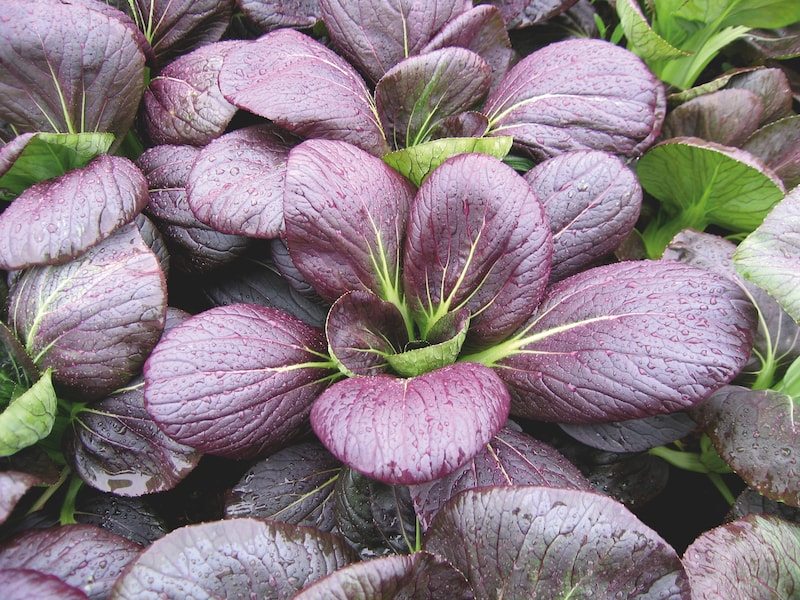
column 778, row 43
column 376, row 518
column 415, row 95
column 420, row 575
column 183, row 103
column 538, row 12
column 362, row 330
column 345, row 213
column 777, row 145
column 482, row 30
column 633, row 478
column 304, row 87
column 751, row 502
column 286, row 267
column 275, row 14
column 85, row 557
column 116, row 447
column 469, row 124
column 754, row 431
column 94, row 319
column 635, row 435
column 772, row 86
column 176, row 27
column 233, row 558
column 404, row 431
column 24, row 584
column 579, row 94
column 132, row 518
column 477, row 238
column 248, row 388
column 13, row 486
column 236, row 182
column 59, row 219
column 68, row 68
column 545, row 542
column 629, row 340
column 375, row 35
column 511, row 458
column 753, row 557
column 592, row 200
column 294, row 485
column 194, row 247
column 727, row 116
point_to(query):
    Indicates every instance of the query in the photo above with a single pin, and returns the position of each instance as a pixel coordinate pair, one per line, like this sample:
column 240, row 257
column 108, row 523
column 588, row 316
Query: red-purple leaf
column 24, row 584
column 579, row 94
column 304, row 87
column 59, row 219
column 275, row 14
column 235, row 381
column 403, row 431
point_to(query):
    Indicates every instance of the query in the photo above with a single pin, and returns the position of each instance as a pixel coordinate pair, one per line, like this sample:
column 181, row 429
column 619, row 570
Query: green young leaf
column 790, row 384
column 770, row 255
column 417, row 162
column 447, row 338
column 762, row 14
column 700, row 183
column 29, row 418
column 642, row 39
column 48, row 155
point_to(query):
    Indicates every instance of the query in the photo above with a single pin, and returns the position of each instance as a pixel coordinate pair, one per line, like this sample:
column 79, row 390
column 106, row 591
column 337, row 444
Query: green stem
column 67, row 515
column 50, row 490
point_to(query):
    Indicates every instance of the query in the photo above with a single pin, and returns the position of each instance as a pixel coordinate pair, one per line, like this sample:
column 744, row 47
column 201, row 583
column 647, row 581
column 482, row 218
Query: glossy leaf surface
column 29, row 417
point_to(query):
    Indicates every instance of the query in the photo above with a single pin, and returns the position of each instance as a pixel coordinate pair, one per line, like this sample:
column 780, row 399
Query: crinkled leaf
column 29, row 417
column 253, row 374
column 23, row 584
column 420, row 575
column 415, row 95
column 701, row 183
column 233, row 558
column 33, row 157
column 176, row 27
column 442, row 419
column 59, row 219
column 635, row 435
column 770, row 256
column 511, row 458
column 84, row 556
column 94, row 319
column 536, row 11
column 477, row 239
column 469, row 124
column 442, row 347
column 772, row 86
column 363, row 332
column 376, row 518
column 592, row 201
column 375, row 35
column 777, row 145
column 68, row 68
column 755, row 432
column 116, row 447
column 626, row 341
column 275, row 14
column 545, row 542
column 757, row 556
column 304, row 87
column 236, row 182
column 641, row 37
column 417, row 162
column 727, row 116
column 345, row 213
column 294, row 485
column 132, row 518
column 183, row 103
column 578, row 94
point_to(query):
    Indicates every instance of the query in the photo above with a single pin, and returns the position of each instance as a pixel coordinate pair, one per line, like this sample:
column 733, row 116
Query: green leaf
column 417, row 361
column 48, row 155
column 790, row 384
column 642, row 39
column 770, row 255
column 700, row 183
column 29, row 418
column 763, row 14
column 417, row 162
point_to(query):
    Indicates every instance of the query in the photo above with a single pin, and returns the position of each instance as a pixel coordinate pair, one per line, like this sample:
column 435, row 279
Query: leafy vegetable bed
column 399, row 299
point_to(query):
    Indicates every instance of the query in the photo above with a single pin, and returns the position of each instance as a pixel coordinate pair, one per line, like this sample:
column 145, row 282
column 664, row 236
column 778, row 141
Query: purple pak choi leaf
column 183, row 103
column 24, row 584
column 403, row 431
column 132, row 518
column 635, row 435
column 592, row 200
column 94, row 319
column 375, row 35
column 477, row 239
column 579, row 94
column 248, row 388
column 415, row 95
column 69, row 68
column 14, row 485
column 345, row 213
column 626, row 341
column 236, row 182
column 233, row 558
column 59, row 219
column 545, row 542
column 536, row 11
column 772, row 86
column 304, row 87
column 276, row 14
column 777, row 145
